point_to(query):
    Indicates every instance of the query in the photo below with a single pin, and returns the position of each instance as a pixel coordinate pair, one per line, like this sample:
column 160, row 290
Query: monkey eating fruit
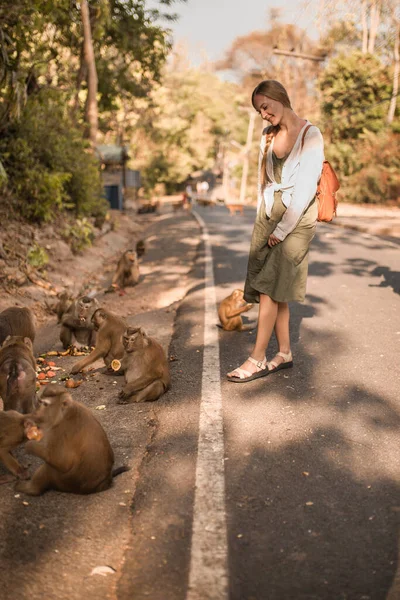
column 76, row 322
column 230, row 311
column 110, row 329
column 77, row 455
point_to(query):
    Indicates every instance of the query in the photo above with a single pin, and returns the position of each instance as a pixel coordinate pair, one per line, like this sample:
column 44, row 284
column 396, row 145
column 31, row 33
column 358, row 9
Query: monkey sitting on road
column 127, row 270
column 18, row 374
column 12, row 433
column 76, row 322
column 140, row 248
column 74, row 446
column 145, row 368
column 230, row 309
column 110, row 330
column 16, row 321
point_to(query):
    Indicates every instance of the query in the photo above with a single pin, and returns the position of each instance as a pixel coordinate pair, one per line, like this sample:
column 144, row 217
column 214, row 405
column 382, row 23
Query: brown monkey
column 74, row 446
column 65, row 301
column 145, row 368
column 109, row 346
column 12, row 433
column 140, row 248
column 230, row 309
column 18, row 374
column 76, row 322
column 127, row 270
column 16, row 321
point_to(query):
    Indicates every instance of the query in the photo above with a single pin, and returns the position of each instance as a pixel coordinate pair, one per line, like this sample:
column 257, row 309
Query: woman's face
column 270, row 110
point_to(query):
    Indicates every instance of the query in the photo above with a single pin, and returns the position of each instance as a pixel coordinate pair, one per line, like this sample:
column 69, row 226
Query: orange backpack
column 328, row 185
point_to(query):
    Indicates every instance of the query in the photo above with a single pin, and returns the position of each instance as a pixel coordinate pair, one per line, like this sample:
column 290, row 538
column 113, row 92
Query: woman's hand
column 273, row 240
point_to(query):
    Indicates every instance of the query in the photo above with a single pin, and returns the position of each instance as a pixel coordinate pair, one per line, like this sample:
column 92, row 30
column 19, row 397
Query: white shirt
column 300, row 174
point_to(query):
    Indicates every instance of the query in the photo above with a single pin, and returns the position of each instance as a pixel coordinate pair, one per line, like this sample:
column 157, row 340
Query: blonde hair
column 275, row 90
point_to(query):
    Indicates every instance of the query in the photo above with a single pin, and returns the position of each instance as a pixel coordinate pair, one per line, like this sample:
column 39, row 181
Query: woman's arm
column 309, row 172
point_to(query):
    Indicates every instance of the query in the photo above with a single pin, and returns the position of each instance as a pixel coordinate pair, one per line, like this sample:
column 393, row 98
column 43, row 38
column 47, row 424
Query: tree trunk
column 396, row 56
column 364, row 26
column 91, row 110
column 374, row 24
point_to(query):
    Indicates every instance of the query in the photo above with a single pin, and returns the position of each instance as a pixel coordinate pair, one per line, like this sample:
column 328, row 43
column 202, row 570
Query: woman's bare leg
column 267, row 315
column 282, row 330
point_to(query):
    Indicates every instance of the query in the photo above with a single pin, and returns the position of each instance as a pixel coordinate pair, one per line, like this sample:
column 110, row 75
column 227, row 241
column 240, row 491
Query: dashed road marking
column 208, row 576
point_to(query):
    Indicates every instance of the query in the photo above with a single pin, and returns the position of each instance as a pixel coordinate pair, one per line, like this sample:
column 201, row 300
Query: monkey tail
column 120, row 470
column 12, row 378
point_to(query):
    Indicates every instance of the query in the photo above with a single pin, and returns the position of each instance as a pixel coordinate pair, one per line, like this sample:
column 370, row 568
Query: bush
column 377, row 179
column 79, row 235
column 48, row 164
column 37, row 256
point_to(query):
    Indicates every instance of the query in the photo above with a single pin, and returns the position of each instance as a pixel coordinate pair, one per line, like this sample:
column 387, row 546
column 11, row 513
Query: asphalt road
column 311, row 454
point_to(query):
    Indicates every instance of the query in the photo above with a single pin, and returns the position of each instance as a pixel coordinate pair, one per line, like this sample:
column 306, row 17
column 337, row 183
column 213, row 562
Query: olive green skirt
column 281, row 271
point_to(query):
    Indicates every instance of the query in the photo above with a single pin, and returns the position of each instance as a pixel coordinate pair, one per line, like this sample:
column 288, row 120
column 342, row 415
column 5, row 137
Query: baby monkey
column 230, row 311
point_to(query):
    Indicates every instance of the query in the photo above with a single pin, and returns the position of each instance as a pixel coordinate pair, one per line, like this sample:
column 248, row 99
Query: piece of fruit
column 71, row 383
column 50, row 374
column 41, row 376
column 33, row 433
column 116, row 365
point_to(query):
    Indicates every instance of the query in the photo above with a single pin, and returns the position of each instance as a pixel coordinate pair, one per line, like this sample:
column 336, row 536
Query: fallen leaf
column 103, row 570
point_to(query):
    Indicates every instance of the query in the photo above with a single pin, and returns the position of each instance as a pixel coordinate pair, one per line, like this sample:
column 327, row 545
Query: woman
column 291, row 157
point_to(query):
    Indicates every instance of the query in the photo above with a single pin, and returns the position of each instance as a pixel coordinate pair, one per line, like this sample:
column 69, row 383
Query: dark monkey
column 230, row 311
column 16, row 321
column 76, row 322
column 110, row 329
column 145, row 368
column 140, row 248
column 77, row 455
column 18, row 374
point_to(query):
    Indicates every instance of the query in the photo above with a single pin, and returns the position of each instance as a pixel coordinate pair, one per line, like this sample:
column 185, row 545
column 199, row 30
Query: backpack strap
column 304, row 135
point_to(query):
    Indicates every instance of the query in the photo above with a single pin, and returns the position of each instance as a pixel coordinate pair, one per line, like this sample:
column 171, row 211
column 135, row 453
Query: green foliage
column 377, row 179
column 192, row 113
column 79, row 235
column 37, row 256
column 47, row 162
column 355, row 88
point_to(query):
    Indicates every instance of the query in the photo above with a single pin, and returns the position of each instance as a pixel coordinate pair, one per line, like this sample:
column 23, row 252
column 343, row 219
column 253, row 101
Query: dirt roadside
column 50, row 545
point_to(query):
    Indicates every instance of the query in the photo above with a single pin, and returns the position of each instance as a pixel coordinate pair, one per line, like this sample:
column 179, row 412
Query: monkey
column 140, row 248
column 144, row 366
column 109, row 346
column 76, row 322
column 77, row 455
column 16, row 321
column 18, row 374
column 64, row 303
column 127, row 270
column 229, row 312
column 12, row 433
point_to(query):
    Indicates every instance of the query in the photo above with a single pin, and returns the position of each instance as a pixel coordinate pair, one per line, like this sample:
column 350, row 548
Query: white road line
column 208, row 576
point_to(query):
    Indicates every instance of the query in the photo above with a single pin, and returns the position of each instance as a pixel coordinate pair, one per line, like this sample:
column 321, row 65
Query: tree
column 354, row 90
column 91, row 111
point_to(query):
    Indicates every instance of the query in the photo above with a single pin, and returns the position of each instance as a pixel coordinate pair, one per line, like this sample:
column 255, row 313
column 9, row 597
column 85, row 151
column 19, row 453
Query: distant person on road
column 290, row 165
